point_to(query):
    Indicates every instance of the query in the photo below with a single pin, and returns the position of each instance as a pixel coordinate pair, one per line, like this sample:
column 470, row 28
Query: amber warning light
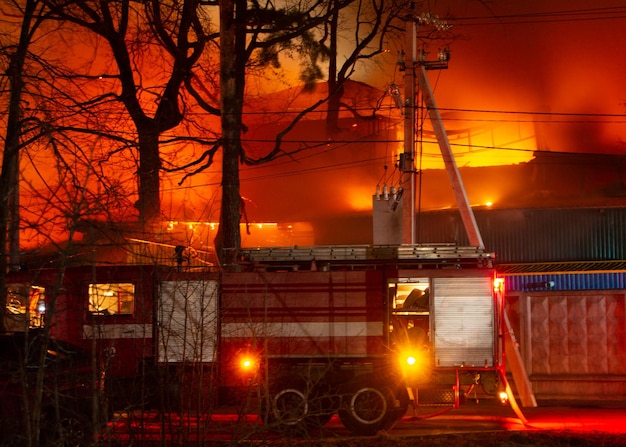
column 414, row 361
column 248, row 363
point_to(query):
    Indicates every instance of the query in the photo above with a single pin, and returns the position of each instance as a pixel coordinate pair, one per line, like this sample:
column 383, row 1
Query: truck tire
column 71, row 429
column 368, row 407
column 402, row 401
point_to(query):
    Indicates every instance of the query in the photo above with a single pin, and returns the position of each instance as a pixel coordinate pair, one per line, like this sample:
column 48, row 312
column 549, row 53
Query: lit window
column 411, row 296
column 26, row 302
column 111, row 299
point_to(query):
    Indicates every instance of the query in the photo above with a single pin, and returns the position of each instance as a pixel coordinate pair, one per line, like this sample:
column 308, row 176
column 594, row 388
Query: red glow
column 512, row 87
column 498, row 284
column 586, row 421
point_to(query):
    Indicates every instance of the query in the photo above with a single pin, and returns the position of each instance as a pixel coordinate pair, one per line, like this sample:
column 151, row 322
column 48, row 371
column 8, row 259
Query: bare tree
column 255, row 34
column 251, row 34
column 247, row 31
column 53, row 126
column 169, row 33
column 370, row 26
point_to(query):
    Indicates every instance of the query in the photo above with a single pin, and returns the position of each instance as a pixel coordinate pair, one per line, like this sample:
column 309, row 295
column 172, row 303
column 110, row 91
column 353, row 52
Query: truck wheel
column 367, row 408
column 70, row 430
column 287, row 408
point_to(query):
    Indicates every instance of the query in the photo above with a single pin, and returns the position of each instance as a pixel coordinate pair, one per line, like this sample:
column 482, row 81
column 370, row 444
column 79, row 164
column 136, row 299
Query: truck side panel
column 303, row 315
column 188, row 321
column 464, row 317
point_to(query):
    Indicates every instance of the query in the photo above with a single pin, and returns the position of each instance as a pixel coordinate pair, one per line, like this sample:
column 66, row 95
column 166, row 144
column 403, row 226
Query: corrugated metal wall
column 573, row 343
column 535, row 235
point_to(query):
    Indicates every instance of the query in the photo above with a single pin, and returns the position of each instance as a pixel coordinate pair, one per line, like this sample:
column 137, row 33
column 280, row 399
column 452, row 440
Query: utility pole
column 415, row 67
column 407, row 158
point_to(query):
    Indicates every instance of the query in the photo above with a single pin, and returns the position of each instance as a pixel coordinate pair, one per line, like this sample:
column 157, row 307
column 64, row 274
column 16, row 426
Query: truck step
column 434, row 396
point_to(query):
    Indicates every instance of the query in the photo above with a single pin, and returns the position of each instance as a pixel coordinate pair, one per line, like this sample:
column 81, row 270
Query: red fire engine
column 362, row 331
column 298, row 333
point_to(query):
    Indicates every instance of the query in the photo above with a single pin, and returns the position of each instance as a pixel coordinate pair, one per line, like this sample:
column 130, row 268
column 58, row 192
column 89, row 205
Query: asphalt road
column 486, row 415
column 480, row 417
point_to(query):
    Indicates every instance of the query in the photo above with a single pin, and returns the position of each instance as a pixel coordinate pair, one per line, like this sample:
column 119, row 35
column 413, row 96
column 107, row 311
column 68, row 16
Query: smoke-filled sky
column 523, row 76
column 559, row 64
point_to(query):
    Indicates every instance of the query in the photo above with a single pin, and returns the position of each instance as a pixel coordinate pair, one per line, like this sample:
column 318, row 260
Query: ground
column 481, row 424
column 493, row 439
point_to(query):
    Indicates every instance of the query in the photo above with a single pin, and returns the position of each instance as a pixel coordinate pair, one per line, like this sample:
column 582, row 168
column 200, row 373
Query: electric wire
column 571, row 15
column 471, row 110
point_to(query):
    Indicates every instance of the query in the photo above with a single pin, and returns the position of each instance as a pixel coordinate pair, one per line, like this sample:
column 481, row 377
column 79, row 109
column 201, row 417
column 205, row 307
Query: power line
column 352, row 164
column 448, row 109
column 513, row 112
column 373, row 161
column 571, row 15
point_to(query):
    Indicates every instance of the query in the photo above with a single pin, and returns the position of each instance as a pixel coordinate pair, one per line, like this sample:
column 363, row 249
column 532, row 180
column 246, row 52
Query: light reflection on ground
column 484, row 416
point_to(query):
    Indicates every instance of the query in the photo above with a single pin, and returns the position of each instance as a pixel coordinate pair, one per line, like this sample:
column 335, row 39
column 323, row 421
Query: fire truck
column 298, row 334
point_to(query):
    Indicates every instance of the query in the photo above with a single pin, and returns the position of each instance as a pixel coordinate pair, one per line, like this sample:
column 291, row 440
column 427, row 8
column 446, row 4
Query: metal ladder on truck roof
column 363, row 252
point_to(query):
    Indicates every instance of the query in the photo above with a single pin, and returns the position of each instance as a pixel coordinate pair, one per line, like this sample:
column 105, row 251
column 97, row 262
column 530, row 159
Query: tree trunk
column 232, row 82
column 149, row 202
